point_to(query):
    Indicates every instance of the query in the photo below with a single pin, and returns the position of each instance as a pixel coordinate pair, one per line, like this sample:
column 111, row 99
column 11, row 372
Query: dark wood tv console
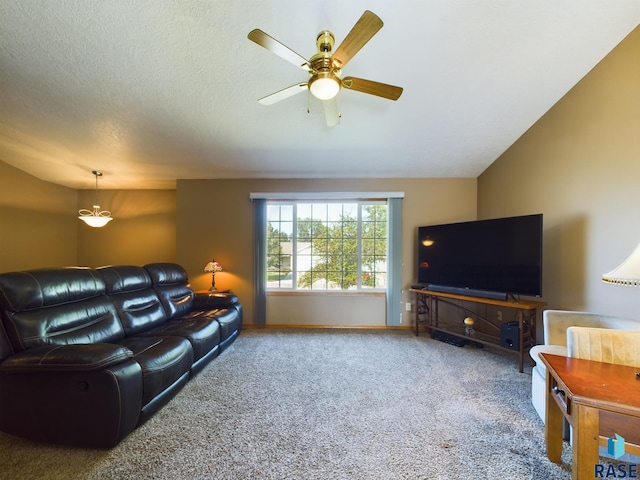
column 486, row 332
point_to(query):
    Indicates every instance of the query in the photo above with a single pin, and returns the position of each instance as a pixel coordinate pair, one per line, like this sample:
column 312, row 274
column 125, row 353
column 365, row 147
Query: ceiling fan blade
column 274, row 46
column 282, row 94
column 363, row 31
column 373, row 88
column 331, row 112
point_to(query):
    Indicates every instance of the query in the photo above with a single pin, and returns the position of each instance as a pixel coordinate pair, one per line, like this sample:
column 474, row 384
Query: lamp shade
column 627, row 273
column 213, row 267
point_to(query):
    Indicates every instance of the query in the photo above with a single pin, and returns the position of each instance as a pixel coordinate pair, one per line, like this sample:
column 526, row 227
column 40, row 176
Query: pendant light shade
column 95, row 217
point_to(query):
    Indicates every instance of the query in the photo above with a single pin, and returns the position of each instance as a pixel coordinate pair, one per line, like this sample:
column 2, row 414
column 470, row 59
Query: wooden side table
column 589, row 395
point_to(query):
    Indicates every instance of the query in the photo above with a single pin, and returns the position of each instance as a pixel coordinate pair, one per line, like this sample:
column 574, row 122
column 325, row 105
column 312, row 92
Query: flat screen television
column 493, row 258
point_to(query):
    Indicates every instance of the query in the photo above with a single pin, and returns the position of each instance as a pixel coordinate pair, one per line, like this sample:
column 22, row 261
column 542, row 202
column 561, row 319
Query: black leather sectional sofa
column 87, row 355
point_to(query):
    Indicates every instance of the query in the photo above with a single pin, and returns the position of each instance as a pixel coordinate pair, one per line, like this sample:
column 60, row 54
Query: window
column 326, row 245
column 392, row 271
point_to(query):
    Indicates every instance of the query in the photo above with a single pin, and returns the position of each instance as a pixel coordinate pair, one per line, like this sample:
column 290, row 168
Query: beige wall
column 580, row 166
column 37, row 222
column 143, row 229
column 40, row 228
column 215, row 219
column 334, row 309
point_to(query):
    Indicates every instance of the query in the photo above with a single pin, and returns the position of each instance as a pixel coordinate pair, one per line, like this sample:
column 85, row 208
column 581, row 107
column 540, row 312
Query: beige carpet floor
column 325, row 404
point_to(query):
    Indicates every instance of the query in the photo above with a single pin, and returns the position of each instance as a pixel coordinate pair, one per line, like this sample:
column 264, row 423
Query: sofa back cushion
column 172, row 285
column 137, row 303
column 57, row 306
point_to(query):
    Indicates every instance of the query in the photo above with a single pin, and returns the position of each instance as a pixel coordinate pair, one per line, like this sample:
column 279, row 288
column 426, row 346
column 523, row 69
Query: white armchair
column 555, row 325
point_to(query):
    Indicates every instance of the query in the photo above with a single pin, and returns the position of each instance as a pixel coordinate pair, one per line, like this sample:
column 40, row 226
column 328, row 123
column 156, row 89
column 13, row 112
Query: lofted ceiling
column 150, row 91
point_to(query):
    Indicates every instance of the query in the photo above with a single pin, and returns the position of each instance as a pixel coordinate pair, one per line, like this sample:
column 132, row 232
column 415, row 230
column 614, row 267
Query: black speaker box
column 510, row 335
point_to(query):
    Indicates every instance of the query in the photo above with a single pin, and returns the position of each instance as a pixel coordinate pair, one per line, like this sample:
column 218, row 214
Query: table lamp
column 213, row 267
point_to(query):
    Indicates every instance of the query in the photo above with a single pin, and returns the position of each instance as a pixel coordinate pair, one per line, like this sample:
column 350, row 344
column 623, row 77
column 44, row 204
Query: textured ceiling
column 150, row 91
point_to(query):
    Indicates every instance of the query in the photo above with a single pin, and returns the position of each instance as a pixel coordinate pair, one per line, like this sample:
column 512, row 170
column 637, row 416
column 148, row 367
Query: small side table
column 587, row 394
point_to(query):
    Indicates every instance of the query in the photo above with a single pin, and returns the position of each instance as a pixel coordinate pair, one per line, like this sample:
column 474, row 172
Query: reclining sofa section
column 87, row 355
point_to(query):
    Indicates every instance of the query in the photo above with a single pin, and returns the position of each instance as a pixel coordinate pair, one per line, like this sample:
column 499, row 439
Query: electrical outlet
column 499, row 315
column 407, row 306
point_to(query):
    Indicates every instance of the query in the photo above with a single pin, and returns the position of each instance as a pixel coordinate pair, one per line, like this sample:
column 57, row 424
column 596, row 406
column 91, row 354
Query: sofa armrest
column 56, row 358
column 85, row 408
column 211, row 300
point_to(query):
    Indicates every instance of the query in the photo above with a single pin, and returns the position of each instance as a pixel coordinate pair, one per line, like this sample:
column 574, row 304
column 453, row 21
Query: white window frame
column 295, row 272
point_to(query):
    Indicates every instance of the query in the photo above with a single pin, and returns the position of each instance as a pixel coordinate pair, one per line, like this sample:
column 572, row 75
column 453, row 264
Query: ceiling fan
column 325, row 67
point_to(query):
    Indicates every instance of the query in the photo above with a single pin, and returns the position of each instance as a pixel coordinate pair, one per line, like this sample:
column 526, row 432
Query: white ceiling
column 150, row 91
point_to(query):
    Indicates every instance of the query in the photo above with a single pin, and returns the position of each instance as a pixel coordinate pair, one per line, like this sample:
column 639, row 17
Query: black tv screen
column 502, row 255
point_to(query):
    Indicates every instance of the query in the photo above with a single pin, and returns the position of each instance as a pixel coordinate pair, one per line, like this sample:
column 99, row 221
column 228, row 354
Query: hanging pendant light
column 95, row 217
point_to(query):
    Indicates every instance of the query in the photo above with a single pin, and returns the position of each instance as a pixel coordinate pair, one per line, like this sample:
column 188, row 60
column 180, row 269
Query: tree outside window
column 336, row 246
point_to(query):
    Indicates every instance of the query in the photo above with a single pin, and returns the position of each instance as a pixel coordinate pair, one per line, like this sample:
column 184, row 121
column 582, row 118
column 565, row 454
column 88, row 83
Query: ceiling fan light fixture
column 324, row 86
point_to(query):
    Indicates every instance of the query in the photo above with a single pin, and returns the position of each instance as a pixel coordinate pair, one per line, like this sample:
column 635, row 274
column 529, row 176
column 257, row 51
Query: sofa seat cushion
column 163, row 361
column 202, row 332
column 229, row 320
